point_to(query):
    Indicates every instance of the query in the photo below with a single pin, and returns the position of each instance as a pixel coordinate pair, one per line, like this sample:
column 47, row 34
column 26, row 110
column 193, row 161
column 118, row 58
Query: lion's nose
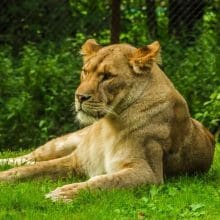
column 83, row 97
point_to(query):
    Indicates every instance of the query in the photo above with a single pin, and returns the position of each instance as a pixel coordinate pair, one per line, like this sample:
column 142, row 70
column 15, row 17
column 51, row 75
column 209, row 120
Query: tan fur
column 140, row 132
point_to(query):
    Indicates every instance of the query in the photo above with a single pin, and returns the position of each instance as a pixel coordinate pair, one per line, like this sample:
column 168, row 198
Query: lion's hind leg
column 55, row 148
column 60, row 167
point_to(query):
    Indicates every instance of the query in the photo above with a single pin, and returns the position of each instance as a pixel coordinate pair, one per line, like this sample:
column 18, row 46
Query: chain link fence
column 52, row 20
column 40, row 64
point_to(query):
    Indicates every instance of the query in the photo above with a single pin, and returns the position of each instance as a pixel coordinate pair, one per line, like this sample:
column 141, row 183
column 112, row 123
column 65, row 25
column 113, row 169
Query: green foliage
column 133, row 33
column 210, row 113
column 37, row 85
column 37, row 91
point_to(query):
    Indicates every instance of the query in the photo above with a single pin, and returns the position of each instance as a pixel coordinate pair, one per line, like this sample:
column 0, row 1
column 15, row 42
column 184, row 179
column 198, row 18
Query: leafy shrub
column 36, row 94
column 211, row 114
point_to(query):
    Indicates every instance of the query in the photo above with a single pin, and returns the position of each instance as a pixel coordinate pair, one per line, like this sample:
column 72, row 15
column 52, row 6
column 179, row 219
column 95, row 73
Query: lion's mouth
column 88, row 117
column 92, row 113
column 94, row 110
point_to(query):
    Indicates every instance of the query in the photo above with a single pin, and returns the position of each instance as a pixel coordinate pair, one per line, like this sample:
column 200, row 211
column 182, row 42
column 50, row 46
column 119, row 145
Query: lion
column 138, row 128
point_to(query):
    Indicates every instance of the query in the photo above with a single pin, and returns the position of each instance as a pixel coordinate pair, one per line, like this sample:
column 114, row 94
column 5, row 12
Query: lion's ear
column 89, row 47
column 143, row 58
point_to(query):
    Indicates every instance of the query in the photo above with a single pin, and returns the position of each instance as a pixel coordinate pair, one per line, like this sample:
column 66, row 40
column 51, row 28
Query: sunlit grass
column 196, row 197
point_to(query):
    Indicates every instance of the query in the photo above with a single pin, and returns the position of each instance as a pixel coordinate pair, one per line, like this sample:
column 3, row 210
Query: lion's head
column 112, row 78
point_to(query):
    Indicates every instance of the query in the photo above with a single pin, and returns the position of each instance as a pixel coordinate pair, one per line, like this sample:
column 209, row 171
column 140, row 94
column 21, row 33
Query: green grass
column 196, row 197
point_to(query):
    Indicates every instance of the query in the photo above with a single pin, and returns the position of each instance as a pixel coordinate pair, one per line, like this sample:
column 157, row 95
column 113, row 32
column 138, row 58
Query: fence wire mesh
column 35, row 21
column 39, row 63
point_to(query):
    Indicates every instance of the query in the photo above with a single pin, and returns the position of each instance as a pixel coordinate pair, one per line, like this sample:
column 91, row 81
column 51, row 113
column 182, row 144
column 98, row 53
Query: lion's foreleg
column 53, row 168
column 131, row 176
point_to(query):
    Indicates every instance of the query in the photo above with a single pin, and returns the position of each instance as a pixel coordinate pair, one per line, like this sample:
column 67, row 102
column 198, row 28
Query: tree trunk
column 115, row 21
column 183, row 16
column 151, row 18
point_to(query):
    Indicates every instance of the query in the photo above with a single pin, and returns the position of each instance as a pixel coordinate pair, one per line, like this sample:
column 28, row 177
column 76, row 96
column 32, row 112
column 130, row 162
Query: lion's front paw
column 66, row 193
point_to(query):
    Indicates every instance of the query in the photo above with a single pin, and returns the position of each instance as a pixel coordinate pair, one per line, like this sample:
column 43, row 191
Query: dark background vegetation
column 40, row 63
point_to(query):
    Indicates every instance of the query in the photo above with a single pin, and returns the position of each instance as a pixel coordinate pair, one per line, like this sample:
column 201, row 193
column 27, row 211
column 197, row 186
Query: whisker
column 96, row 102
column 111, row 112
column 92, row 106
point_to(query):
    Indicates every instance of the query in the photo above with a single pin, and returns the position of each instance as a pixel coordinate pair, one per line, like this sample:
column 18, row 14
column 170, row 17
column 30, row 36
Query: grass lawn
column 196, row 197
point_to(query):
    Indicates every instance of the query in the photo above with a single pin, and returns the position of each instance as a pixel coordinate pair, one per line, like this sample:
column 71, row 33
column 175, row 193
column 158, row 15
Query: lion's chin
column 86, row 119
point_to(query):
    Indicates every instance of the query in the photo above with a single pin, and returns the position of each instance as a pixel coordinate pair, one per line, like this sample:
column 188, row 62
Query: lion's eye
column 107, row 76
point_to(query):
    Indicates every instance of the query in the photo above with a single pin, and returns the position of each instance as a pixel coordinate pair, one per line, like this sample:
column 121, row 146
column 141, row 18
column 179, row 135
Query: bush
column 210, row 113
column 36, row 94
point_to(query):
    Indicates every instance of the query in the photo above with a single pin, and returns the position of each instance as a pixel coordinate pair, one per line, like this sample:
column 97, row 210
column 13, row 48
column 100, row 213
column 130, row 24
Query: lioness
column 139, row 129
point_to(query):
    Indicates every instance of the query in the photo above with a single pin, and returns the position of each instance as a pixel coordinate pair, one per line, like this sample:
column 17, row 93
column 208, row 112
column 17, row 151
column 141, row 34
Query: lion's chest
column 93, row 153
column 93, row 161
